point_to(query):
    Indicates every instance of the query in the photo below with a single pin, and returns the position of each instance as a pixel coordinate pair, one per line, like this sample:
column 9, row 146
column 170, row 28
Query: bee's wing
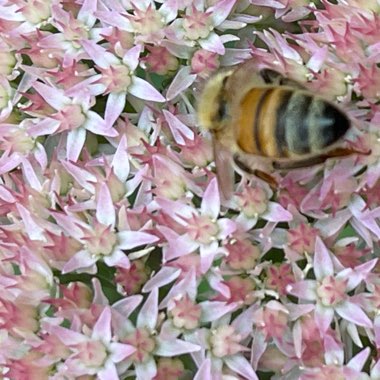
column 224, row 169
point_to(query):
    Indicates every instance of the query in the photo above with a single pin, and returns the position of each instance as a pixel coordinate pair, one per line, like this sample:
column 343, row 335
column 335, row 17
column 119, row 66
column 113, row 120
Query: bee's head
column 211, row 105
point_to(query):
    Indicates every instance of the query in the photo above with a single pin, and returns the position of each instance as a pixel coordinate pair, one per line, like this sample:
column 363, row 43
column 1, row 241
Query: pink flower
column 147, row 341
column 169, row 369
column 203, row 228
column 222, row 348
column 239, row 290
column 197, row 27
column 196, row 152
column 279, row 277
column 242, row 254
column 144, row 20
column 253, row 201
column 185, row 313
column 73, row 116
column 337, row 369
column 26, row 367
column 301, row 239
column 287, row 10
column 97, row 353
column 100, row 240
column 329, row 291
column 271, row 321
column 117, row 78
column 160, row 61
column 133, row 278
column 204, row 62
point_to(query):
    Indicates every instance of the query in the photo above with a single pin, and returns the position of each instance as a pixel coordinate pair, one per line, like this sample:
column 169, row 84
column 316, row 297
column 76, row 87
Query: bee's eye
column 222, row 110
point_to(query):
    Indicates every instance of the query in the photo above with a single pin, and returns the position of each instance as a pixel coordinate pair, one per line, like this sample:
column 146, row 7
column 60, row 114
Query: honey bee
column 261, row 122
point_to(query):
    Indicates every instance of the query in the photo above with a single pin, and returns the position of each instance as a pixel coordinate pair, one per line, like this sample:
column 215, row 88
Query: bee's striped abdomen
column 247, row 133
column 295, row 122
column 312, row 124
column 257, row 126
column 284, row 122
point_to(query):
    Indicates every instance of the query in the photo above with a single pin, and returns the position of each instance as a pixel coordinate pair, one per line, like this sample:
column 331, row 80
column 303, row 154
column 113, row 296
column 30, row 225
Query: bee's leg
column 271, row 181
column 298, row 164
column 316, row 160
column 342, row 152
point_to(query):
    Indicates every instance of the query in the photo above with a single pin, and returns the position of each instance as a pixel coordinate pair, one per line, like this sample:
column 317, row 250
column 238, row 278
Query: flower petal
column 175, row 347
column 99, row 54
column 180, row 247
column 333, row 351
column 133, row 239
column 149, row 312
column 114, row 107
column 305, row 290
column 33, row 230
column 240, row 365
column 118, row 258
column 178, row 128
column 323, row 265
column 80, row 260
column 120, row 160
column 131, row 57
column 276, row 213
column 102, row 327
column 128, row 305
column 120, row 351
column 182, row 80
column 105, row 210
column 213, row 43
column 204, row 371
column 146, row 370
column 323, row 317
column 144, row 90
column 74, row 144
column 330, row 226
column 213, row 310
column 66, row 336
column 211, row 200
column 30, row 175
column 95, row 124
column 353, row 313
column 208, row 253
column 82, row 176
column 163, row 277
column 115, row 18
column 227, row 227
column 52, row 95
column 220, row 11
column 169, row 9
column 187, row 285
column 359, row 360
column 47, row 126
column 108, row 372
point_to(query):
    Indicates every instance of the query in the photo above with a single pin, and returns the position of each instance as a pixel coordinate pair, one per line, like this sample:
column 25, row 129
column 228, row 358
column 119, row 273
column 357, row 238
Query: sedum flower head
column 119, row 259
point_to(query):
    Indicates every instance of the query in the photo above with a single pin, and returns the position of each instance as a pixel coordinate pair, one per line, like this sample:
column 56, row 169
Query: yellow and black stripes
column 247, row 133
column 284, row 123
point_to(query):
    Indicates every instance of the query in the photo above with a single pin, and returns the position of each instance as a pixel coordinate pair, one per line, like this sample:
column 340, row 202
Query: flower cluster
column 118, row 257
